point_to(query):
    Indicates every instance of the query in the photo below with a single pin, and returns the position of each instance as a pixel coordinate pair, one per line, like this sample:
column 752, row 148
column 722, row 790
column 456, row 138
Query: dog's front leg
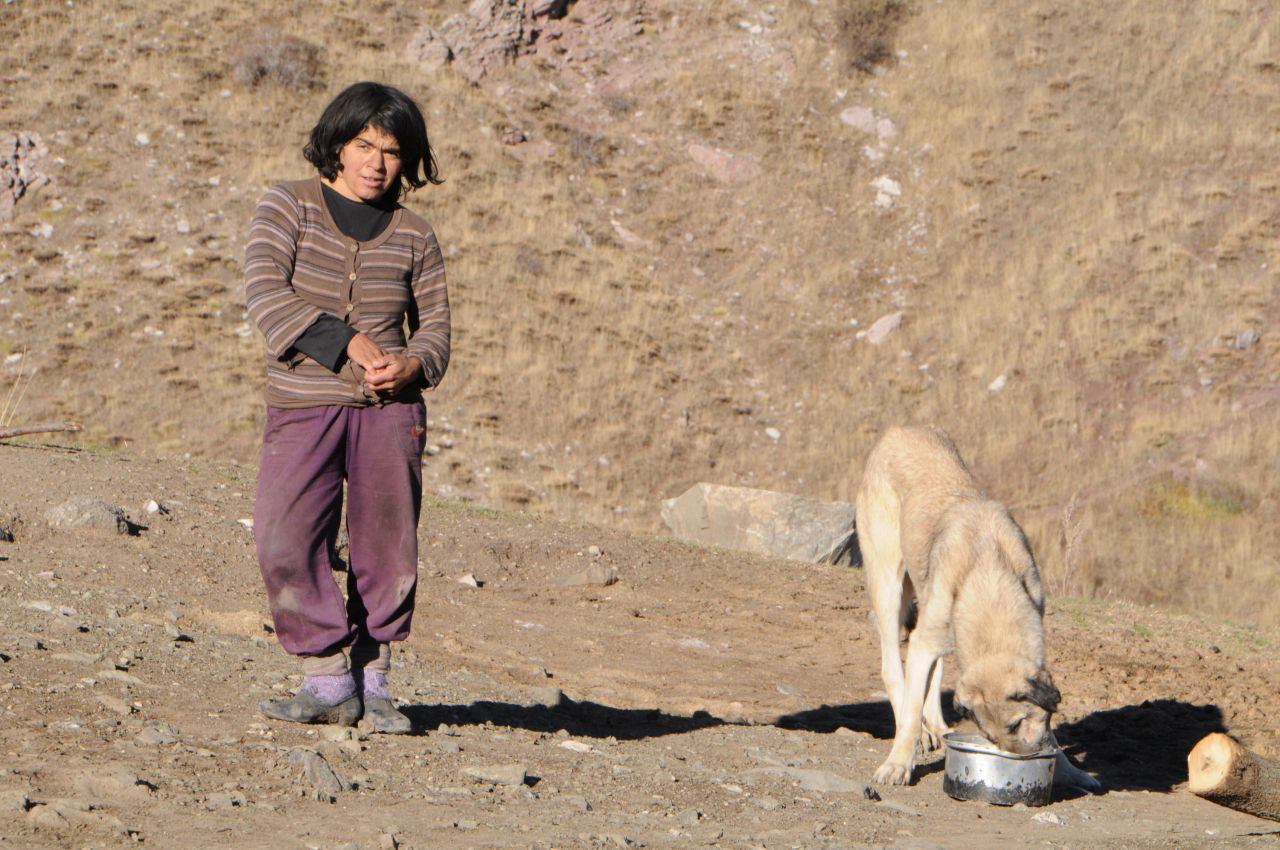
column 935, row 726
column 1067, row 775
column 896, row 769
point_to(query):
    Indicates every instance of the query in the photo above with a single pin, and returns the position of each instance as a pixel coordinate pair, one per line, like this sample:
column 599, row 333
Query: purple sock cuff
column 375, row 685
column 331, row 690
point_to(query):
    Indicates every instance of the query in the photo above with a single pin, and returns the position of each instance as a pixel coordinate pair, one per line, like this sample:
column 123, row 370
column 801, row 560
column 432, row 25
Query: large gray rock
column 764, row 522
column 88, row 512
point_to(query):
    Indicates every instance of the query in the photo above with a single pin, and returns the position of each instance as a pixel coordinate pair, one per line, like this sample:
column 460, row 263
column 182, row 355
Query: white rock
column 469, row 580
column 886, row 184
column 859, row 118
column 773, row 433
column 142, row 139
column 247, row 522
column 998, row 384
column 883, row 326
column 1049, row 817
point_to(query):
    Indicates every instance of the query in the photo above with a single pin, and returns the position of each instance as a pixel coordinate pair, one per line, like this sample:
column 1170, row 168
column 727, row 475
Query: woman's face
column 369, row 165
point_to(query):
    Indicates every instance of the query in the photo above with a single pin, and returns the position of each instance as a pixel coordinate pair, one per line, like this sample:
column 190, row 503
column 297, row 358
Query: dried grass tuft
column 272, row 57
column 866, row 30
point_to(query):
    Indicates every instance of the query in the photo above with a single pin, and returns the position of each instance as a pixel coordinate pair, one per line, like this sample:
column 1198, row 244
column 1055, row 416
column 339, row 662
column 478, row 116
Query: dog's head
column 1011, row 700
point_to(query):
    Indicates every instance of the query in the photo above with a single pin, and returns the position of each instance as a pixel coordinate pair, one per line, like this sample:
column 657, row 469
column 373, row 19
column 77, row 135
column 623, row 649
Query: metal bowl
column 977, row 770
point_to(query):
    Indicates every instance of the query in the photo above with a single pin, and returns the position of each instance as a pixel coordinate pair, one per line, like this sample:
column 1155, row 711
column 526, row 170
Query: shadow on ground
column 1133, row 748
column 1140, row 747
column 870, row 718
column 585, row 719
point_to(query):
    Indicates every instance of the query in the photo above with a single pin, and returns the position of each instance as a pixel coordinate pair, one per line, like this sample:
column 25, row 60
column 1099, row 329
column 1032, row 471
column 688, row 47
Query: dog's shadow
column 580, row 719
column 1132, row 748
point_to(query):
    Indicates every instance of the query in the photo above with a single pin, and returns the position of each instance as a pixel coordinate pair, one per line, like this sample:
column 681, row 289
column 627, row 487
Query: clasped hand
column 384, row 373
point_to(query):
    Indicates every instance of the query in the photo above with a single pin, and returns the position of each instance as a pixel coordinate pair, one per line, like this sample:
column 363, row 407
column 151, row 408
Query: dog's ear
column 1041, row 691
column 965, row 699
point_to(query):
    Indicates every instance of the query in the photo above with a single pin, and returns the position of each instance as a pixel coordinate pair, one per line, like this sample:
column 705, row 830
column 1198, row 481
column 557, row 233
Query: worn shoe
column 382, row 716
column 305, row 707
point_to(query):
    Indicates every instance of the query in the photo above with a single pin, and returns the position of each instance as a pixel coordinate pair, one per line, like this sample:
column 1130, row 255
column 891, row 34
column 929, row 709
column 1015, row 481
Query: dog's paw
column 1081, row 781
column 931, row 736
column 1067, row 775
column 893, row 773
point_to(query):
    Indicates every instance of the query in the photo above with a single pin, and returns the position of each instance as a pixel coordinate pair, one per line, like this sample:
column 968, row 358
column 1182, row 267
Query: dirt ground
column 705, row 699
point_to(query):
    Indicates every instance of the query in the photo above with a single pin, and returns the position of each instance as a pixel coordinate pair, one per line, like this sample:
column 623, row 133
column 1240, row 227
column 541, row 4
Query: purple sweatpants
column 306, row 455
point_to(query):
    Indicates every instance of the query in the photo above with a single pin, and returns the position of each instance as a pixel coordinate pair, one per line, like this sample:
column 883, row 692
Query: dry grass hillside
column 1074, row 206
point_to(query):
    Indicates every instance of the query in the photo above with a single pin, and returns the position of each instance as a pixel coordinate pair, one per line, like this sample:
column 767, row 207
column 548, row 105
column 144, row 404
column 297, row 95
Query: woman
column 334, row 270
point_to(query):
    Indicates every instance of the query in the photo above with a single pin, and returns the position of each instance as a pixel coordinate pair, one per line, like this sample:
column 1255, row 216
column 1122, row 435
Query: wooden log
column 42, row 428
column 1221, row 770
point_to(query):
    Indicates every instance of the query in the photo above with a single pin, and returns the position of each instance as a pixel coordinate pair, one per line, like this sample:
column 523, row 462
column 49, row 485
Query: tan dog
column 928, row 534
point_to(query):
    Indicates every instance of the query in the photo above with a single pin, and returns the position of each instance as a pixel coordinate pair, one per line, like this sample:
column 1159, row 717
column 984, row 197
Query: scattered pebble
column 502, row 774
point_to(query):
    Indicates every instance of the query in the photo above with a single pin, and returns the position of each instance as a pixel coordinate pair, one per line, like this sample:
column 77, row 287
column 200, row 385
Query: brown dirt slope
column 708, row 698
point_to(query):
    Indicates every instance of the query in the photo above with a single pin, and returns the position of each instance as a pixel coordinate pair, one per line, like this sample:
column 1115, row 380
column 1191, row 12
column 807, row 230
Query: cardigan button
column 351, row 276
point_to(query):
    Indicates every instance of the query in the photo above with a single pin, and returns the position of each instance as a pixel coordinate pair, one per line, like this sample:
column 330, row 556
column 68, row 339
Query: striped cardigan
column 299, row 265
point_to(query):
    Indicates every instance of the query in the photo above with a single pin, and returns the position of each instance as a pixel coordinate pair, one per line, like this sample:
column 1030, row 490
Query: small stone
column 46, row 817
column 504, row 774
column 388, row 841
column 689, row 817
column 225, row 800
column 470, row 580
column 883, row 326
column 1245, row 339
column 596, row 575
column 325, row 783
column 1049, row 818
column 112, row 781
column 593, row 551
column 548, row 697
column 247, row 522
column 579, row 803
column 120, row 676
column 773, row 433
column 859, row 118
column 157, row 735
column 154, row 507
column 115, row 704
column 899, row 808
column 142, row 139
column 15, row 800
column 769, row 804
column 998, row 384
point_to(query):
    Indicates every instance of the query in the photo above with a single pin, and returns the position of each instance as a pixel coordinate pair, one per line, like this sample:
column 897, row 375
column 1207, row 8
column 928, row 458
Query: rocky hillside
column 726, row 242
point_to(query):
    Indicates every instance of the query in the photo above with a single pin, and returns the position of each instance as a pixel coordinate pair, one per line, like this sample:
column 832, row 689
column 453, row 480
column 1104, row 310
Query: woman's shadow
column 581, row 719
column 1132, row 748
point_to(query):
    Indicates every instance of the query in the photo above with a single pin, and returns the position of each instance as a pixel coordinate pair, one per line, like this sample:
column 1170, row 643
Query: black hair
column 386, row 108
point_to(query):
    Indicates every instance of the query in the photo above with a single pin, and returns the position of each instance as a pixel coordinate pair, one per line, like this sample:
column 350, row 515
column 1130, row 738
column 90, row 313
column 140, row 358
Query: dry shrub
column 866, row 30
column 270, row 56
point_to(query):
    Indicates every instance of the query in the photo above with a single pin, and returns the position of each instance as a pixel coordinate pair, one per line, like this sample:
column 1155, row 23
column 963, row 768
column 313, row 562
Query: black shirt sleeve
column 326, row 341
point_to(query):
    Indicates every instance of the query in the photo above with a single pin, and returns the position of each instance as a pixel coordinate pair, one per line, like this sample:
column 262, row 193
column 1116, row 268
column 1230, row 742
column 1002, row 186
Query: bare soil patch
column 705, row 699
